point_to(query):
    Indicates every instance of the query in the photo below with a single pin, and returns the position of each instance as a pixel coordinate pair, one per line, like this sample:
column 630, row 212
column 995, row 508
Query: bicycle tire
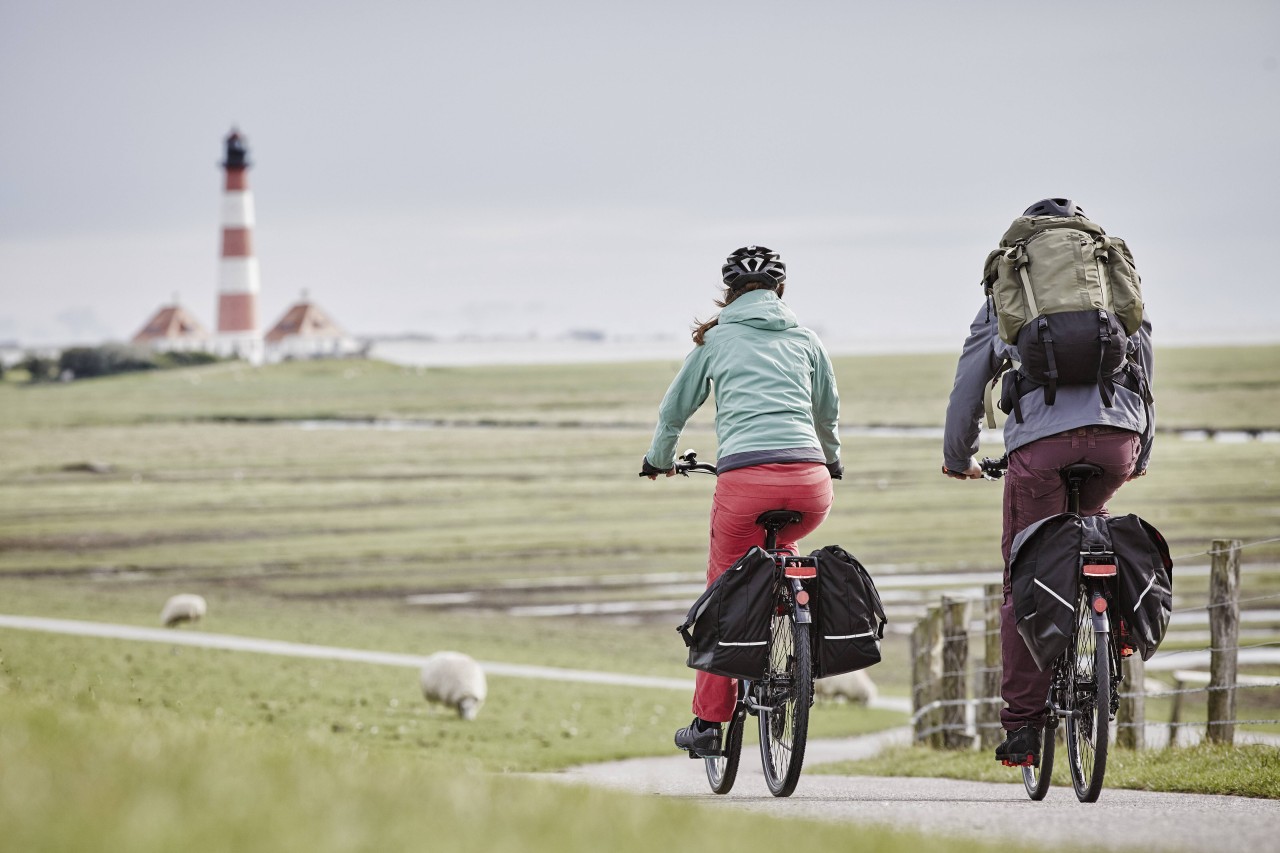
column 722, row 770
column 1089, row 700
column 1036, row 779
column 787, row 692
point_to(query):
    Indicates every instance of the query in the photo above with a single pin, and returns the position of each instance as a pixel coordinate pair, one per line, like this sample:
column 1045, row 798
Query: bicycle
column 1084, row 691
column 781, row 698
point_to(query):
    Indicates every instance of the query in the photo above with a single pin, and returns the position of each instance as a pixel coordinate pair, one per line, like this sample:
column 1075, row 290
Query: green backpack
column 1067, row 296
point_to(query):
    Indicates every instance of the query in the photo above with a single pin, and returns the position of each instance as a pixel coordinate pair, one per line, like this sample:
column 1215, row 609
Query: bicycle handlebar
column 993, row 469
column 688, row 461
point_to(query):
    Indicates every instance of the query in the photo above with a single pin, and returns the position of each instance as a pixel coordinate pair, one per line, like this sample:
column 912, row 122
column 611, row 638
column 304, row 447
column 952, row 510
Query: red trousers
column 741, row 495
column 1033, row 489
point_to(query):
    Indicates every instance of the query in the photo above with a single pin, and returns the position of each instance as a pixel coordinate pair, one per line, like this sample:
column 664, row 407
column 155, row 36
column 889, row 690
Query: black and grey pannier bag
column 1045, row 570
column 730, row 621
column 850, row 619
column 1146, row 582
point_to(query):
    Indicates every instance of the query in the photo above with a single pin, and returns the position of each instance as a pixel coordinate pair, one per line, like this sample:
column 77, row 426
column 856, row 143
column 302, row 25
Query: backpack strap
column 1051, row 389
column 1106, row 386
column 1017, row 396
column 1102, row 257
column 1018, row 256
column 991, row 389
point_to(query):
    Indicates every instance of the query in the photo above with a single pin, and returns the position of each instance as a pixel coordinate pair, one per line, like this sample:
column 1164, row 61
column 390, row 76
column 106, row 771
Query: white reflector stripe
column 849, row 636
column 723, row 643
column 1055, row 595
column 1144, row 592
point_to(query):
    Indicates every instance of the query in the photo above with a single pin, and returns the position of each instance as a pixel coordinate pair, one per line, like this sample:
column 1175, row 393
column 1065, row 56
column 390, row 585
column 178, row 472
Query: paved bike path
column 1002, row 813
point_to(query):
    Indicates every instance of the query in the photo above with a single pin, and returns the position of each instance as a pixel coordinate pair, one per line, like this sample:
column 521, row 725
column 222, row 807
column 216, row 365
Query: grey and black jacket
column 982, row 359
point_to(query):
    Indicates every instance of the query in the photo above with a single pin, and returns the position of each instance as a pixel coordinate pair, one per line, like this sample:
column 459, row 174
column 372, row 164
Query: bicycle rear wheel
column 1089, row 699
column 1036, row 779
column 722, row 770
column 786, row 692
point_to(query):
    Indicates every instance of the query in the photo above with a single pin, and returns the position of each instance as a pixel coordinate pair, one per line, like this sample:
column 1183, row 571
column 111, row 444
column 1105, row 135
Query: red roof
column 169, row 323
column 304, row 319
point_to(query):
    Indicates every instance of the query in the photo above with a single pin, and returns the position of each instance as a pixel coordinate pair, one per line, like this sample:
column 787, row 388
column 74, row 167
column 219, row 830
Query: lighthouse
column 238, row 331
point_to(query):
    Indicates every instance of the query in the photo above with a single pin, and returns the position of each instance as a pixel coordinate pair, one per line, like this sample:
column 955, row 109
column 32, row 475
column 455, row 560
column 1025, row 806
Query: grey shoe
column 700, row 738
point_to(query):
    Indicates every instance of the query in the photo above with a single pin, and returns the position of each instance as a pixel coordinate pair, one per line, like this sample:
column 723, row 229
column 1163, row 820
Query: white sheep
column 185, row 607
column 856, row 687
column 454, row 679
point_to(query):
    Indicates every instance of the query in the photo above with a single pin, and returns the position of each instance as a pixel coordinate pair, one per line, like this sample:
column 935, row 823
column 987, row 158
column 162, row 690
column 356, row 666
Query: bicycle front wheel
column 722, row 769
column 1089, row 701
column 785, row 694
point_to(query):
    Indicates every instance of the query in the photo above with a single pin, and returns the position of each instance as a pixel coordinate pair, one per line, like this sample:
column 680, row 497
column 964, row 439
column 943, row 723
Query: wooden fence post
column 1132, row 715
column 933, row 674
column 919, row 676
column 1224, row 637
column 987, row 715
column 955, row 666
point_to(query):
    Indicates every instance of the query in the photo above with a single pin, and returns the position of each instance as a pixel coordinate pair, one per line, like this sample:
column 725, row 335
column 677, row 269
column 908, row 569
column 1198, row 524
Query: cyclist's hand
column 836, row 469
column 647, row 470
column 973, row 472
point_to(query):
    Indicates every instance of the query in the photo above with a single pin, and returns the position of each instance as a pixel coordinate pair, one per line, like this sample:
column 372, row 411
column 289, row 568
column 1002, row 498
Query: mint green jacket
column 774, row 388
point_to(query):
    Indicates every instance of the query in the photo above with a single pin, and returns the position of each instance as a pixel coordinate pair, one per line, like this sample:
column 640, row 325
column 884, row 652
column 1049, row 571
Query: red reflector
column 802, row 598
column 1100, row 605
column 1100, row 570
column 801, row 571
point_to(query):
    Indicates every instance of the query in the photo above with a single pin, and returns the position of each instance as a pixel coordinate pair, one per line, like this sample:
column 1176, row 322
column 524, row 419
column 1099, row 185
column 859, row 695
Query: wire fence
column 956, row 668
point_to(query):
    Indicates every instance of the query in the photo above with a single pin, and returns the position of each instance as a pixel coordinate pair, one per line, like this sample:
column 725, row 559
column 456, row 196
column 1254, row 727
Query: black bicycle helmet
column 753, row 264
column 1055, row 207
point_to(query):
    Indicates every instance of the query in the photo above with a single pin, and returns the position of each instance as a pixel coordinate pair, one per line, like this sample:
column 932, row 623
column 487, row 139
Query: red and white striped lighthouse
column 238, row 330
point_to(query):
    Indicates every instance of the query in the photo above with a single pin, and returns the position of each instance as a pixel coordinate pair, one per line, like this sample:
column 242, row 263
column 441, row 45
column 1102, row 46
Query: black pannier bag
column 731, row 619
column 1146, row 581
column 849, row 617
column 1044, row 566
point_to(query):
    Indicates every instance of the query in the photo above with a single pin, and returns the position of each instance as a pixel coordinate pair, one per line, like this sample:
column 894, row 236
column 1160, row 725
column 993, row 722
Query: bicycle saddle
column 1081, row 471
column 776, row 519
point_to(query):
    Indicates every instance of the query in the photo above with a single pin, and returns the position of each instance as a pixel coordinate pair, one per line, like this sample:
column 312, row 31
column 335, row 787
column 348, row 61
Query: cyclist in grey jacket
column 1078, row 427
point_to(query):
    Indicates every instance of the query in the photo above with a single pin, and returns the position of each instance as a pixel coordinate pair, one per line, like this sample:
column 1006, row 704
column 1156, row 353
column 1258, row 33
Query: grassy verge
column 526, row 725
column 1248, row 771
column 76, row 776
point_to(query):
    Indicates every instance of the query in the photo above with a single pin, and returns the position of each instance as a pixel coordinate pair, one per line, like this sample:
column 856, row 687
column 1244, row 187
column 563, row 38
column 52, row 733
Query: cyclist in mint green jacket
column 777, row 411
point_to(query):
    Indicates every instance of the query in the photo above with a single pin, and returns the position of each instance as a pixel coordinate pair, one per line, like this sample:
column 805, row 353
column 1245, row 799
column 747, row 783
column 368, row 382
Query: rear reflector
column 801, row 571
column 1100, row 570
column 1100, row 604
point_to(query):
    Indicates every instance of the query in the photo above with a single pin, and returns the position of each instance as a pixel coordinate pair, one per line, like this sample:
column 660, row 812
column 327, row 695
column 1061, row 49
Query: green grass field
column 115, row 493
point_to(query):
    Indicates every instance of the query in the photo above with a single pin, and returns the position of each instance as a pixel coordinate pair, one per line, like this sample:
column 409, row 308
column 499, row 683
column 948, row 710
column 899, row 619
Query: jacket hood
column 760, row 309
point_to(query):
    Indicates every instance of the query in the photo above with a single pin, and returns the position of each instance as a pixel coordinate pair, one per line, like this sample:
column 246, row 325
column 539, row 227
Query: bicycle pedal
column 1029, row 761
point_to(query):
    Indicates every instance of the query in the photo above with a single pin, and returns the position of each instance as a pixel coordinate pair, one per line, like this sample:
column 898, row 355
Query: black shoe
column 1021, row 748
column 700, row 738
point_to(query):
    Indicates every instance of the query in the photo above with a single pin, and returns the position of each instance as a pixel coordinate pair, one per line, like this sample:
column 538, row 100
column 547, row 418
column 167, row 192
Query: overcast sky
column 512, row 168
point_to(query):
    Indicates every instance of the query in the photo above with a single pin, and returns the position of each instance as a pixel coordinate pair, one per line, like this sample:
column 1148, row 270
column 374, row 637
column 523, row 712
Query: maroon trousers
column 1033, row 489
column 741, row 495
